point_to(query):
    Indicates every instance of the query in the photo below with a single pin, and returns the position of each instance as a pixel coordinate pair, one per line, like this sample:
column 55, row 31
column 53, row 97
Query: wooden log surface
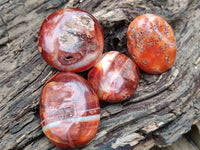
column 189, row 141
column 164, row 106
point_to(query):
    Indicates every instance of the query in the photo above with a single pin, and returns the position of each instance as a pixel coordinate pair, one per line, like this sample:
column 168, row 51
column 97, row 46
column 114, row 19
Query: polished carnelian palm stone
column 71, row 40
column 151, row 43
column 115, row 77
column 69, row 110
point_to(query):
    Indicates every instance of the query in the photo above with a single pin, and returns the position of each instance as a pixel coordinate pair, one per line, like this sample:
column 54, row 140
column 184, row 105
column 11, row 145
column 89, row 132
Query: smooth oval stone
column 115, row 77
column 69, row 110
column 151, row 43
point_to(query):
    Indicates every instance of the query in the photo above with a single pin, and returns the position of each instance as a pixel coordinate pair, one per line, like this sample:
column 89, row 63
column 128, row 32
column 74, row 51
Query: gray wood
column 162, row 109
column 194, row 134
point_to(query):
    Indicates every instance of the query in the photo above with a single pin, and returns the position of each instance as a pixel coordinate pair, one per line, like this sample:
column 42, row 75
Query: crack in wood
column 155, row 92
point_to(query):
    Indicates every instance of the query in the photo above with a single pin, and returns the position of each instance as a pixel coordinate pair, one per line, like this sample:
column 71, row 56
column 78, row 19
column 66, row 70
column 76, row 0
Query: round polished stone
column 115, row 77
column 151, row 43
column 69, row 110
column 71, row 40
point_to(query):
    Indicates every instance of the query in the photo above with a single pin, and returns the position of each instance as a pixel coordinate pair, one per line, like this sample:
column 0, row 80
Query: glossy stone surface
column 71, row 40
column 69, row 110
column 115, row 77
column 151, row 43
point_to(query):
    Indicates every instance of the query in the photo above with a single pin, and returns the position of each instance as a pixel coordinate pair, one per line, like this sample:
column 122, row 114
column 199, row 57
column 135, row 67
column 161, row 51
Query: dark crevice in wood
column 155, row 92
column 35, row 6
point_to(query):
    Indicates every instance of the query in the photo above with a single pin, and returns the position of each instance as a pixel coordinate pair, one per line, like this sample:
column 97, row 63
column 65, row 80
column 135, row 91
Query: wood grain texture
column 189, row 141
column 194, row 134
column 182, row 143
column 162, row 109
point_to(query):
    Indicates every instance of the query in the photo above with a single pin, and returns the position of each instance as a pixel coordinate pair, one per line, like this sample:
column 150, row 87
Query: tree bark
column 163, row 107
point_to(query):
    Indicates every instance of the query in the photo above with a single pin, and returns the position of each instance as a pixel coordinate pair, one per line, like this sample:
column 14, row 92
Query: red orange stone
column 69, row 110
column 115, row 77
column 71, row 40
column 151, row 43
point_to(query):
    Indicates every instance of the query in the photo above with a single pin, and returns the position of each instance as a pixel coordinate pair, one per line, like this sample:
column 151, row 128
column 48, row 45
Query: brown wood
column 162, row 109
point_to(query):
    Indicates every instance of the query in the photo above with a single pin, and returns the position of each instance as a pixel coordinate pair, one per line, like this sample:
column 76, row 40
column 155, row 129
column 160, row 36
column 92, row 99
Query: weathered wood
column 189, row 141
column 162, row 109
column 182, row 144
column 194, row 134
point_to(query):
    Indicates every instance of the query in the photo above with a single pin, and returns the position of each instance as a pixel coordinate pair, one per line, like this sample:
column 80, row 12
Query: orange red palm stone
column 151, row 43
column 115, row 77
column 71, row 40
column 69, row 110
